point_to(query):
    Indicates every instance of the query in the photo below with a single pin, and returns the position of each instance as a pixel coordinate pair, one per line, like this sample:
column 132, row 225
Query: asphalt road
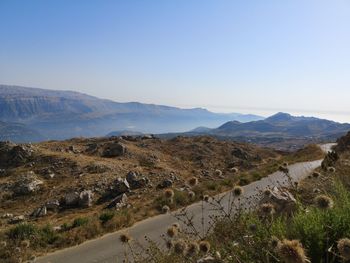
column 108, row 248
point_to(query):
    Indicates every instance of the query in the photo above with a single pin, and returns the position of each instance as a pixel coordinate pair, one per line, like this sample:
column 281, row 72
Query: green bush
column 105, row 217
column 48, row 235
column 22, row 231
column 80, row 221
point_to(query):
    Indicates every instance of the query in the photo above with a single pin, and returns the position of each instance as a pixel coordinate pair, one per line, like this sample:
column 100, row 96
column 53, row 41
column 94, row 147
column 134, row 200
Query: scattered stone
column 39, row 212
column 72, row 149
column 115, row 149
column 57, row 228
column 96, row 168
column 52, row 205
column 7, row 216
column 17, row 219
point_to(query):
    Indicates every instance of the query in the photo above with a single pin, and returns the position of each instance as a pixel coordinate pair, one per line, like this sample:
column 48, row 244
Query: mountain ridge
column 64, row 114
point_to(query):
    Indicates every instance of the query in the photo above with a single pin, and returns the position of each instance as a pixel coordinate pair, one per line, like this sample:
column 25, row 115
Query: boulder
column 39, row 212
column 2, row 172
column 166, row 183
column 121, row 186
column 113, row 150
column 17, row 219
column 282, row 199
column 7, row 216
column 52, row 205
column 85, row 198
column 13, row 154
column 119, row 202
column 240, row 154
column 96, row 168
column 71, row 199
column 27, row 184
column 136, row 180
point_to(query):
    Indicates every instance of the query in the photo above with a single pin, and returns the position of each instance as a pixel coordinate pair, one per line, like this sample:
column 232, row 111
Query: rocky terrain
column 53, row 179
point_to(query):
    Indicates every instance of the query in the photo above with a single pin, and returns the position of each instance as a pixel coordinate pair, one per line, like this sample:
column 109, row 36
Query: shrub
column 22, row 231
column 106, row 216
column 80, row 221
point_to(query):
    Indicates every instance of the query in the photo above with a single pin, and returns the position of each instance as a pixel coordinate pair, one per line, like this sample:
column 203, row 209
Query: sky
column 224, row 55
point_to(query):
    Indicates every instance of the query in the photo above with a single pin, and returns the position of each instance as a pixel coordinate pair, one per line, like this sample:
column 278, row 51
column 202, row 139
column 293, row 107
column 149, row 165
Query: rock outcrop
column 282, row 199
column 27, row 184
column 114, row 149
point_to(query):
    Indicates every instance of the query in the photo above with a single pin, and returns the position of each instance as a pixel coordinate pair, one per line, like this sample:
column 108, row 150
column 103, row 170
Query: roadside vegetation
column 316, row 230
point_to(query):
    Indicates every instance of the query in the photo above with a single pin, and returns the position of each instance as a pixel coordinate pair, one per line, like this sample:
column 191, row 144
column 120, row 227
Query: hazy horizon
column 247, row 57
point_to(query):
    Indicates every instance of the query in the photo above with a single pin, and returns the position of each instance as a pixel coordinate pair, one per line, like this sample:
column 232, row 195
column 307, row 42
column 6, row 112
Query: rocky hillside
column 66, row 114
column 64, row 192
column 58, row 180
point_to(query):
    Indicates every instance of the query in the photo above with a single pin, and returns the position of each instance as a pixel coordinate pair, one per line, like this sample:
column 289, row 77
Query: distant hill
column 282, row 131
column 17, row 132
column 283, row 124
column 65, row 114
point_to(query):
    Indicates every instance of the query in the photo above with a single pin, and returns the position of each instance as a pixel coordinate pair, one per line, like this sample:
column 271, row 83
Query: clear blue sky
column 225, row 55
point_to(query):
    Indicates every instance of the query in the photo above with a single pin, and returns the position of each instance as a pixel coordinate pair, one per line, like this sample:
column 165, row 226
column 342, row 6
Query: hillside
column 73, row 190
column 66, row 114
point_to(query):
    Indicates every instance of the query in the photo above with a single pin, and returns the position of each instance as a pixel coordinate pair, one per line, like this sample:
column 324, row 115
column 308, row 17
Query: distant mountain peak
column 280, row 116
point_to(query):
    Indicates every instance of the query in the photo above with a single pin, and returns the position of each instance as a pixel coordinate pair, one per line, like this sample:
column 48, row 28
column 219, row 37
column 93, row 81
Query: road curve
column 109, row 249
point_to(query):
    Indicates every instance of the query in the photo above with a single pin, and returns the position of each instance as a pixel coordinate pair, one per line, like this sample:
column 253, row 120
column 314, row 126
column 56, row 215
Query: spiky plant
column 192, row 249
column 291, row 251
column 172, row 232
column 324, row 202
column 125, row 238
column 204, row 246
column 191, row 194
column 169, row 193
column 180, row 247
column 165, row 209
column 238, row 190
column 344, row 248
column 193, row 181
column 218, row 172
column 267, row 209
column 206, row 198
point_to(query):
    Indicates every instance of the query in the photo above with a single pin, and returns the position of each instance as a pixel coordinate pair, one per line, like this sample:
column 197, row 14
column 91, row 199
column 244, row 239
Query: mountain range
column 281, row 131
column 65, row 114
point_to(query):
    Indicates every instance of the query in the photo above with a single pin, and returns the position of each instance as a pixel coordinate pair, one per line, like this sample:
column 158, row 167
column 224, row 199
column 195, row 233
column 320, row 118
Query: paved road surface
column 108, row 248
